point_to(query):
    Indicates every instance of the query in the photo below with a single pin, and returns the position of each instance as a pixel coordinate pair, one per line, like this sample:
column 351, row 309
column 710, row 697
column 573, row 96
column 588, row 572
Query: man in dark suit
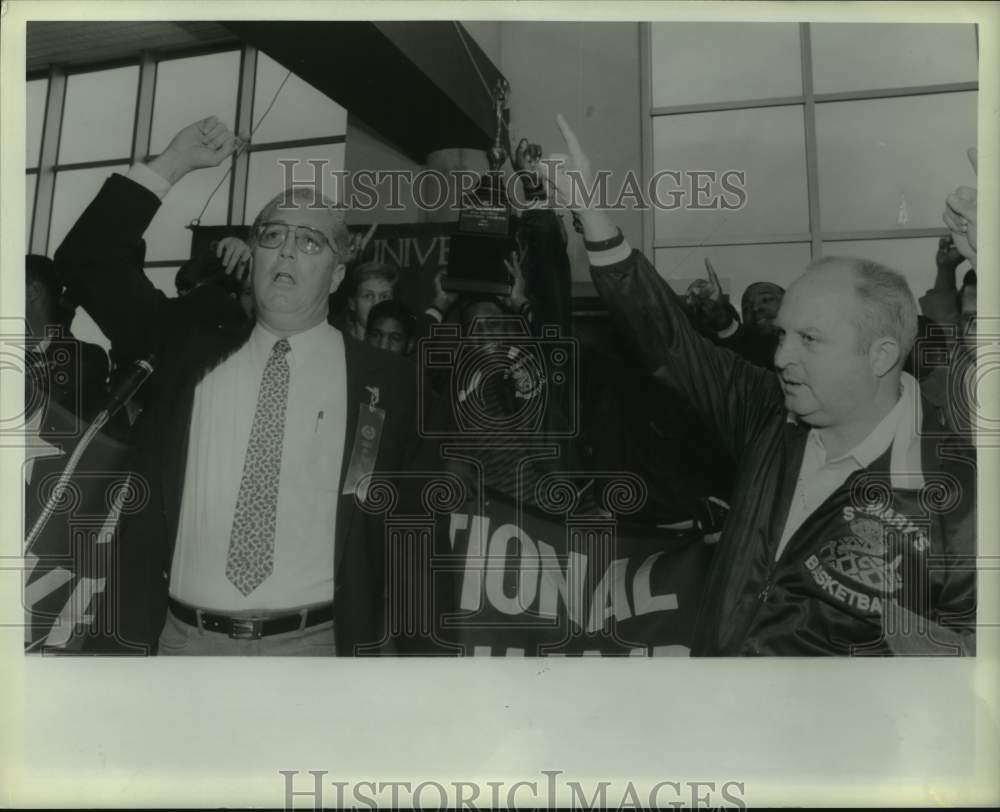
column 260, row 435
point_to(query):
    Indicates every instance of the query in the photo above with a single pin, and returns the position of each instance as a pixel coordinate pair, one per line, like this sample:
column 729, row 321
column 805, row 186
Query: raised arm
column 734, row 396
column 962, row 217
column 101, row 258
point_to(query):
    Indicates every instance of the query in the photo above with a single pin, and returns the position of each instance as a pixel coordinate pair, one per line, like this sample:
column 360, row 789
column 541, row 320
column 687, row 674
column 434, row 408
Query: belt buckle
column 245, row 629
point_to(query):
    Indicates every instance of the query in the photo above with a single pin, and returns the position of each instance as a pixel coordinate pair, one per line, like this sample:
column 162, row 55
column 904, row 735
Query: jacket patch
column 853, row 567
column 895, row 521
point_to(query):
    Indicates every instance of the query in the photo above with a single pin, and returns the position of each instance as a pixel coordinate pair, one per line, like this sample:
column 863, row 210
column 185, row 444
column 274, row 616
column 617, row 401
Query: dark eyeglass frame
column 301, row 234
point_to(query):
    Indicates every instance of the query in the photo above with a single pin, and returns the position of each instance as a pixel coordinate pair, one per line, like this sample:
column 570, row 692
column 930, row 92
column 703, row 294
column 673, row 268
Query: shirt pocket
column 325, row 451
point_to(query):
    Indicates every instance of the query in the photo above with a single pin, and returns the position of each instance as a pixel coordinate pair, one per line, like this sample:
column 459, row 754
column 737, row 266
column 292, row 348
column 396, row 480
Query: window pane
column 912, row 258
column 267, row 176
column 852, row 56
column 768, row 144
column 167, row 237
column 163, row 279
column 214, row 76
column 99, row 115
column 738, row 266
column 30, row 182
column 888, row 163
column 695, row 63
column 36, row 93
column 300, row 111
column 74, row 190
column 83, row 328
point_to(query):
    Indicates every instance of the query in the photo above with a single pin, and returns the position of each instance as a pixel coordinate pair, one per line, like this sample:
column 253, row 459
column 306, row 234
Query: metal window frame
column 808, row 100
column 48, row 166
column 41, row 215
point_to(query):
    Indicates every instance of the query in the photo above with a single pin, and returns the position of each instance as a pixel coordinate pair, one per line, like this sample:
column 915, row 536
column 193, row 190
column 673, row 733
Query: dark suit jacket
column 101, row 260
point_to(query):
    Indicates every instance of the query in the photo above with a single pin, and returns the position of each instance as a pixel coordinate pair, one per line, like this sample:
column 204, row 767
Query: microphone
column 122, row 394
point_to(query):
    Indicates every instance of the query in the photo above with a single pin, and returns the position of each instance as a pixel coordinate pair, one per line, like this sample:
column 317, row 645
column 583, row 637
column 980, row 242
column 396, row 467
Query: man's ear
column 338, row 277
column 883, row 355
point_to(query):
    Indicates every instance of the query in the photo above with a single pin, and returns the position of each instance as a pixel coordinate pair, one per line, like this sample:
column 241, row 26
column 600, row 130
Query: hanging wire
column 244, row 145
column 241, row 146
column 479, row 73
column 273, row 100
column 486, row 87
column 701, row 245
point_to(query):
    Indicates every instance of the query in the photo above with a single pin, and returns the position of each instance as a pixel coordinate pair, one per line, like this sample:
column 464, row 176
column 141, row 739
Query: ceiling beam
column 421, row 85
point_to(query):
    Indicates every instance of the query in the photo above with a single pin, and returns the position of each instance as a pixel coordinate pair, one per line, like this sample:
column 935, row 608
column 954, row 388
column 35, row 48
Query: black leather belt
column 241, row 628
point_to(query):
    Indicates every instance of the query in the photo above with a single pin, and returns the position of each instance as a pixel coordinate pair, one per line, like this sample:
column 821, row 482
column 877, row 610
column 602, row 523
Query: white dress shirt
column 819, row 477
column 221, row 420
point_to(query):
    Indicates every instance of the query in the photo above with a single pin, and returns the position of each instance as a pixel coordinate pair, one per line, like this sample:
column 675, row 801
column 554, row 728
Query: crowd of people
column 268, row 409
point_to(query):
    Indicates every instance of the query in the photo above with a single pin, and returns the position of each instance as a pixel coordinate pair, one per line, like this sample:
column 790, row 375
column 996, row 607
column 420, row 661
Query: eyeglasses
column 307, row 240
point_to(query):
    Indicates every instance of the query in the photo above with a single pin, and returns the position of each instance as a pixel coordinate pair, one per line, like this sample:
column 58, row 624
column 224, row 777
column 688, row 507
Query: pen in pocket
column 319, row 416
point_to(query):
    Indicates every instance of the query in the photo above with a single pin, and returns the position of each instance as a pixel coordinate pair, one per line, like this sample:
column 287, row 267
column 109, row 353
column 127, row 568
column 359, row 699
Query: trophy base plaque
column 490, row 220
column 476, row 264
column 482, row 243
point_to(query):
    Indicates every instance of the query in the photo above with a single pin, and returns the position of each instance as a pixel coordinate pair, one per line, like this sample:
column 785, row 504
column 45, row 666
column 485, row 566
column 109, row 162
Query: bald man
column 852, row 528
column 251, row 542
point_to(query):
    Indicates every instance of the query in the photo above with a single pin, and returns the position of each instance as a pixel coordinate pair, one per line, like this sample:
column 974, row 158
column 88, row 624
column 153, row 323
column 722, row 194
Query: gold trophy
column 483, row 240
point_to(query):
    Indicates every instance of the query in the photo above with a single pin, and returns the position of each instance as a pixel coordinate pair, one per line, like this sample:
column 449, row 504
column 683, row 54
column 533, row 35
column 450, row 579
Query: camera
column 497, row 381
column 51, row 376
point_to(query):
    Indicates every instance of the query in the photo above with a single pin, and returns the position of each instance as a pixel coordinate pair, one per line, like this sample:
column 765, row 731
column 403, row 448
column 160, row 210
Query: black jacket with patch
column 900, row 533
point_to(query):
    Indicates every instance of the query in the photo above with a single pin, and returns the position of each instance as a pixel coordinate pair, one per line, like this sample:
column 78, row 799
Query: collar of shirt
column 896, row 429
column 304, row 345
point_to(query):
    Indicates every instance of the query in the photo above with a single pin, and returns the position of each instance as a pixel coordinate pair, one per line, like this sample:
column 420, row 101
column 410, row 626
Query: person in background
column 756, row 337
column 968, row 303
column 962, row 217
column 450, row 306
column 367, row 284
column 499, row 378
column 442, row 301
column 61, row 369
column 391, row 327
column 760, row 304
column 952, row 385
column 500, row 387
column 942, row 303
column 708, row 307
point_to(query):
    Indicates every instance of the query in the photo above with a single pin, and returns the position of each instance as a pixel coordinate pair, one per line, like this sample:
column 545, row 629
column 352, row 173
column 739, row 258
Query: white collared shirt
column 819, row 477
column 221, row 420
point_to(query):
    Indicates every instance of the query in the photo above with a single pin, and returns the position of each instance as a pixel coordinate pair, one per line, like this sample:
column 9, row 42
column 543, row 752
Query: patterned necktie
column 251, row 545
